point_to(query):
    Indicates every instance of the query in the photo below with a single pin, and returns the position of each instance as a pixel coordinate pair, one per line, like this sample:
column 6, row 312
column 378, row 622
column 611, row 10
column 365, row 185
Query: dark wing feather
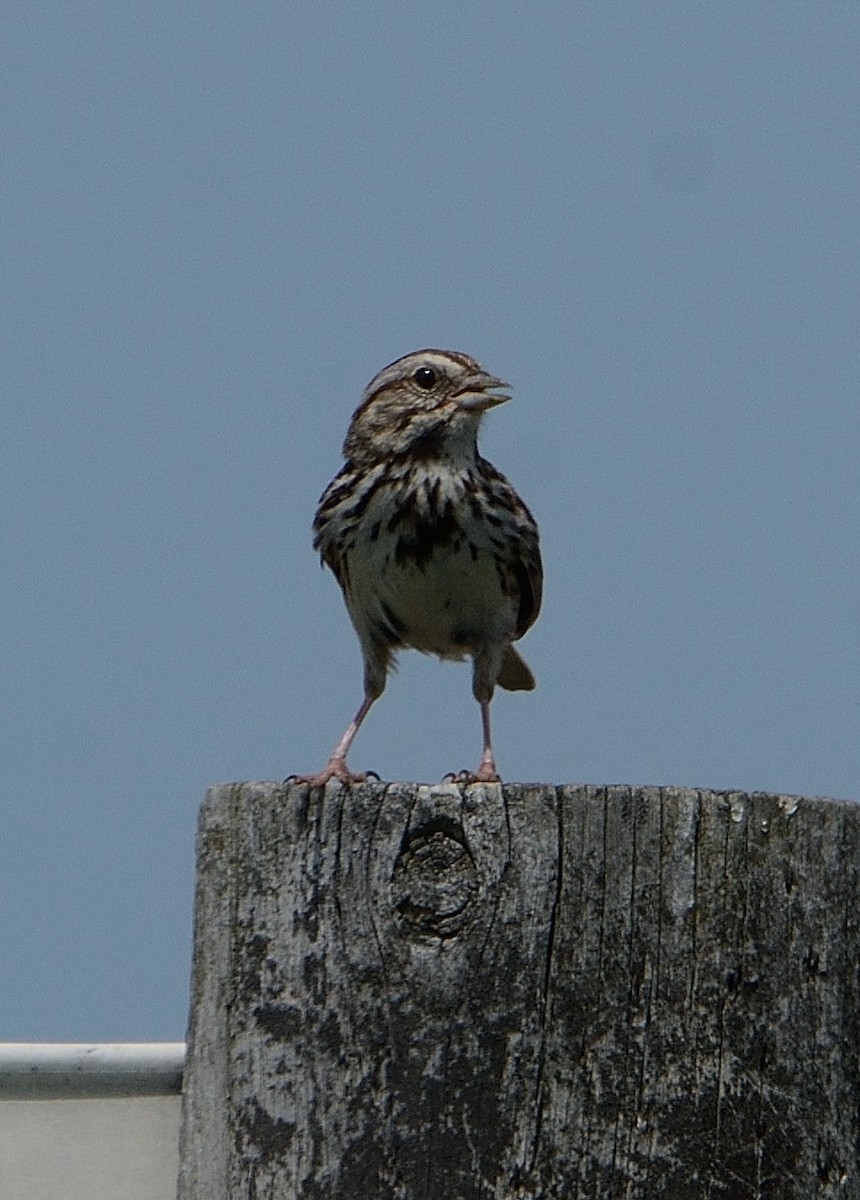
column 522, row 545
column 529, row 575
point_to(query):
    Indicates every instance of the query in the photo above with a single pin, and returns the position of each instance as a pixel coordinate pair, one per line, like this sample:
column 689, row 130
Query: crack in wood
column 433, row 993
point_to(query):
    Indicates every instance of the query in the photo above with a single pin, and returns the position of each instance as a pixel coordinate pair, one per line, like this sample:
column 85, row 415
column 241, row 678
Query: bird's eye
column 425, row 377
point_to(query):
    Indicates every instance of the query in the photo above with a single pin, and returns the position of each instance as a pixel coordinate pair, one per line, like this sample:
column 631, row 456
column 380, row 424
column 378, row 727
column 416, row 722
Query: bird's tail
column 515, row 674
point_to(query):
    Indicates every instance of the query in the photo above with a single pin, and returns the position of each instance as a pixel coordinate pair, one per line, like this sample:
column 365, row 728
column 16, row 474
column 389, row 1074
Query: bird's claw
column 484, row 774
column 335, row 768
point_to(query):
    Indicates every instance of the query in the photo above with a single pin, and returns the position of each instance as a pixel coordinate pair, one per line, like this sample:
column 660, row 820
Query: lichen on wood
column 438, row 992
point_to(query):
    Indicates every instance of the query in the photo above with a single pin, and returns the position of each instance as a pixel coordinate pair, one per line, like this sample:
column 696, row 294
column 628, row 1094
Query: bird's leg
column 487, row 666
column 336, row 767
column 486, row 772
column 377, row 657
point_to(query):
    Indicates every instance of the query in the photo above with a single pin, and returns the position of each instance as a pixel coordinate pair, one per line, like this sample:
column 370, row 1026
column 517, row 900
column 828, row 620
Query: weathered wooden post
column 509, row 992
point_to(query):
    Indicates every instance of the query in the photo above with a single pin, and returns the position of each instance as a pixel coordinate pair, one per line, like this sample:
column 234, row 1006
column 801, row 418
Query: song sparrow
column 431, row 545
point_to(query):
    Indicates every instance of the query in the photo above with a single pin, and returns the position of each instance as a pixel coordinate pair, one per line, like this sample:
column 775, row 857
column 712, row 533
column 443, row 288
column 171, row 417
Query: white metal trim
column 69, row 1069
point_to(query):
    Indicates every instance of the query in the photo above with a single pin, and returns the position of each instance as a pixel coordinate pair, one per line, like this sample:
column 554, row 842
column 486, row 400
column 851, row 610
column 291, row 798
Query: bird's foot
column 335, row 768
column 486, row 773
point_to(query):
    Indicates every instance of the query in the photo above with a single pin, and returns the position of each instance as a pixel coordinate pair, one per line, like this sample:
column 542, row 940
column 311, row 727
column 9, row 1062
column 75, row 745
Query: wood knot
column 435, row 880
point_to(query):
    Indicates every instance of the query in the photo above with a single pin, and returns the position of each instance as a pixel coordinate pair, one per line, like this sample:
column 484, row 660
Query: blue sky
column 219, row 222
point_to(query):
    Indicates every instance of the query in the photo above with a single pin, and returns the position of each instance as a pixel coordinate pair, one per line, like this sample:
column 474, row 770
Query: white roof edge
column 33, row 1069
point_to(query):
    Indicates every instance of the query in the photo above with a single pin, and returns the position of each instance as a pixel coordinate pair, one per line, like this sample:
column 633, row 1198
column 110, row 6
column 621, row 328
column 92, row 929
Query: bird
column 431, row 545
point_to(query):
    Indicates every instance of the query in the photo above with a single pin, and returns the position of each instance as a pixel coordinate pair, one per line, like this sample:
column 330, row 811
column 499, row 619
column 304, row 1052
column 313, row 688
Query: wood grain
column 422, row 992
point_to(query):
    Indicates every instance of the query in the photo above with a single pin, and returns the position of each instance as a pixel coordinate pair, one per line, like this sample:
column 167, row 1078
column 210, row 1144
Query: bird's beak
column 481, row 391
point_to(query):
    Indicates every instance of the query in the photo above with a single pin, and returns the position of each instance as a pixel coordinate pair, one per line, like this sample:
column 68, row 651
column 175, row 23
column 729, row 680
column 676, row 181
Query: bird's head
column 426, row 404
